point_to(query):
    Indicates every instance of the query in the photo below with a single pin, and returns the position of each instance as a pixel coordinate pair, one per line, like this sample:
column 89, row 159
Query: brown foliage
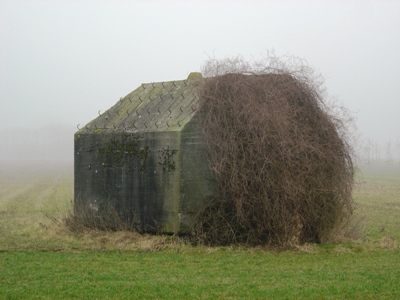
column 100, row 218
column 280, row 158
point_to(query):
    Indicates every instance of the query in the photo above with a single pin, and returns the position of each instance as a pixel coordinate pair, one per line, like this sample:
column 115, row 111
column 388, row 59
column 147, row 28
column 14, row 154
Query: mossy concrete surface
column 144, row 159
column 155, row 107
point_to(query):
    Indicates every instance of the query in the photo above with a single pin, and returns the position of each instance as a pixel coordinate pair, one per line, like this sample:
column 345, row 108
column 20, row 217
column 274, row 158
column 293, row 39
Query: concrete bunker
column 143, row 159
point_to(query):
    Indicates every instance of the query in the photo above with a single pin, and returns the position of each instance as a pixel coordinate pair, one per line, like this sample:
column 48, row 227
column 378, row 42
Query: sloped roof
column 161, row 106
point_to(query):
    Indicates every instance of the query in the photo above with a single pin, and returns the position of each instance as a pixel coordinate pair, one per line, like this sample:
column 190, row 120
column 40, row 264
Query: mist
column 52, row 143
column 63, row 61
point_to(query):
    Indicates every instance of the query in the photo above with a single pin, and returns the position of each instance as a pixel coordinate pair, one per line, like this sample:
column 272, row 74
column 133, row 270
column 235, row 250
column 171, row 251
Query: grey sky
column 62, row 61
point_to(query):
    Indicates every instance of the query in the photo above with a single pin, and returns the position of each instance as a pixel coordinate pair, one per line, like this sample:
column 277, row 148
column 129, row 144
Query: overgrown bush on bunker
column 279, row 155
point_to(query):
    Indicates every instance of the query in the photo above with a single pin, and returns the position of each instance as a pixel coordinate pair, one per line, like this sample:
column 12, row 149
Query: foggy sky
column 63, row 61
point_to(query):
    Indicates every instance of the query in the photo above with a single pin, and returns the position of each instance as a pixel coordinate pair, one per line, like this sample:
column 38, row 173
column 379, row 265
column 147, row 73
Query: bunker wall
column 137, row 175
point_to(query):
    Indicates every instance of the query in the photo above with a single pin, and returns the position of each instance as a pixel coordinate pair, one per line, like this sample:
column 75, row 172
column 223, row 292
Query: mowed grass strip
column 239, row 274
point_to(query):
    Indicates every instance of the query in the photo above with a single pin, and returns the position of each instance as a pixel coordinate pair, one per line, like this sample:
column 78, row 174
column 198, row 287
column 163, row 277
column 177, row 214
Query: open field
column 40, row 258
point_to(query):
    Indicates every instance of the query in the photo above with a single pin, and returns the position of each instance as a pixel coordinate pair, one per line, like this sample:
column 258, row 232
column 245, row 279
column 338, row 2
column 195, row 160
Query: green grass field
column 41, row 259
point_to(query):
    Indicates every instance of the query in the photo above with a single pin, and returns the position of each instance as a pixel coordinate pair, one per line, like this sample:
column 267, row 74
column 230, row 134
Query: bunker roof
column 156, row 106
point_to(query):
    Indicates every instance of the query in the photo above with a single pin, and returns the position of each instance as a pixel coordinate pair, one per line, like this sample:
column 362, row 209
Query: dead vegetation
column 279, row 154
column 83, row 217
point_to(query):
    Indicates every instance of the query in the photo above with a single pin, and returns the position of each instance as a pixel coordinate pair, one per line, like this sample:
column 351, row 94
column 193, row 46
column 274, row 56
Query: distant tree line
column 371, row 152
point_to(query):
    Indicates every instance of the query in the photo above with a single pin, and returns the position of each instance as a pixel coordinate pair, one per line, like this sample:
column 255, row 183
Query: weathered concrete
column 144, row 158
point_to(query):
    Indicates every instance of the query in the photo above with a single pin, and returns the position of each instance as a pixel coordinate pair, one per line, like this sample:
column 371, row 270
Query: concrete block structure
column 144, row 158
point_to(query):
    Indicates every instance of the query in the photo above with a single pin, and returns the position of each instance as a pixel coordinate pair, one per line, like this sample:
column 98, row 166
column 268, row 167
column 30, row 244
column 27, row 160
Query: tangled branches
column 280, row 158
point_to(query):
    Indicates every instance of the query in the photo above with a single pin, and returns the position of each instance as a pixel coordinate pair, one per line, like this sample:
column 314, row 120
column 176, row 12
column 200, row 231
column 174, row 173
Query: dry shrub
column 279, row 155
column 104, row 217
